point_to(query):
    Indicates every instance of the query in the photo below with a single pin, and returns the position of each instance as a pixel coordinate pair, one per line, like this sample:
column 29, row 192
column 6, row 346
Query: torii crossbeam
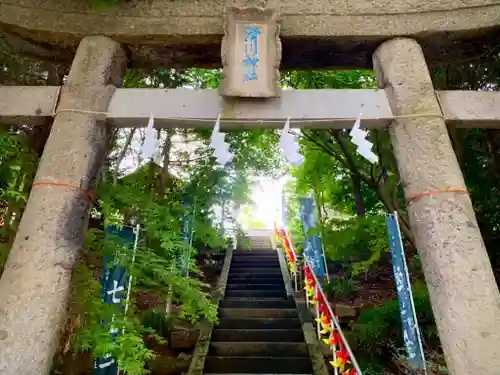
column 189, row 108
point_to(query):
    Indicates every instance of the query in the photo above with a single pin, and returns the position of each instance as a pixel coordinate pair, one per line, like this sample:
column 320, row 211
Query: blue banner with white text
column 313, row 250
column 409, row 322
column 187, row 223
column 185, row 235
column 114, row 283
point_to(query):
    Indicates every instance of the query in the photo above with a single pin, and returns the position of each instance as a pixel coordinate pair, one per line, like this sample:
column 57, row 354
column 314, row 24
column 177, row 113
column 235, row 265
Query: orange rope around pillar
column 435, row 192
column 84, row 191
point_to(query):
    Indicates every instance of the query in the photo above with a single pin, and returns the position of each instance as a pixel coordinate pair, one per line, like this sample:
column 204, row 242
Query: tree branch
column 324, row 145
column 122, row 154
column 350, row 160
column 167, row 147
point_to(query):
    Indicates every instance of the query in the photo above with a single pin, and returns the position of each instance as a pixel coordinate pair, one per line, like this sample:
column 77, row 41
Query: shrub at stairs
column 378, row 338
column 343, row 287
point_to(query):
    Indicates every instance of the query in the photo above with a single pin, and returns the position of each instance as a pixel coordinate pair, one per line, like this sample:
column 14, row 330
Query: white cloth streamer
column 289, row 146
column 150, row 139
column 221, row 148
column 358, row 137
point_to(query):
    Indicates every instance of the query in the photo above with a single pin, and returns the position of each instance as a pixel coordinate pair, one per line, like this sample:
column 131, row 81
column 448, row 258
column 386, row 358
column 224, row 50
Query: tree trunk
column 457, row 141
column 123, row 152
column 356, row 188
column 165, row 175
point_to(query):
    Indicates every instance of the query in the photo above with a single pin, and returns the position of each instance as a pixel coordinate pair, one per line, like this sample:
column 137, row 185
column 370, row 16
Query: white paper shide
column 358, row 137
column 221, row 148
column 289, row 146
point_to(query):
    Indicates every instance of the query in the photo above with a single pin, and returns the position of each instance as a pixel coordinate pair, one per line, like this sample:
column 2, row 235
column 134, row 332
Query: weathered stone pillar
column 465, row 298
column 36, row 282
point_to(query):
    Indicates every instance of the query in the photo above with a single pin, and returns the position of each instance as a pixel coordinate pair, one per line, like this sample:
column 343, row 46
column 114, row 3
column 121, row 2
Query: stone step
column 254, row 279
column 261, row 255
column 258, row 253
column 249, row 286
column 261, row 323
column 258, row 335
column 267, row 269
column 241, row 286
column 255, row 271
column 259, row 331
column 256, row 258
column 256, row 298
column 252, row 264
column 258, row 304
column 234, row 373
column 238, row 267
column 246, row 261
column 257, row 365
column 226, row 312
column 263, row 251
column 244, row 276
column 256, row 293
column 258, row 349
column 264, row 256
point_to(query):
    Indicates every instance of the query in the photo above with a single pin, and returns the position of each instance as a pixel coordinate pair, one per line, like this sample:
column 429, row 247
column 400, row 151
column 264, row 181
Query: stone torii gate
column 393, row 34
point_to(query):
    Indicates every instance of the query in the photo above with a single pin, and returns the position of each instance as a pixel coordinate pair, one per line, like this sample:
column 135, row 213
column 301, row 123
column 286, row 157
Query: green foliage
column 156, row 320
column 103, row 4
column 16, row 161
column 293, row 215
column 481, row 167
column 17, row 167
column 255, row 224
column 478, row 150
column 242, row 240
column 341, row 181
column 256, row 151
column 329, row 79
column 129, row 349
column 341, row 287
column 358, row 240
column 204, row 78
column 154, row 272
column 378, row 332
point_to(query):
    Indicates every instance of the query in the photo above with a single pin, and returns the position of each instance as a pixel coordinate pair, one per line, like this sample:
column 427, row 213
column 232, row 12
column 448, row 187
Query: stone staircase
column 259, row 329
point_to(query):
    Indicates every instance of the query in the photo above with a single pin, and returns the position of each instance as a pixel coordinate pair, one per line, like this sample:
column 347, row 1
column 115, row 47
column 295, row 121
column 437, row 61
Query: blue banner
column 313, row 250
column 114, row 283
column 185, row 235
column 411, row 334
column 186, row 231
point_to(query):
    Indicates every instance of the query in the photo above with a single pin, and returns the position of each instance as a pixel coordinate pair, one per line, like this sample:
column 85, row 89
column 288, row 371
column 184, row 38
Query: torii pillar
column 35, row 285
column 464, row 295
